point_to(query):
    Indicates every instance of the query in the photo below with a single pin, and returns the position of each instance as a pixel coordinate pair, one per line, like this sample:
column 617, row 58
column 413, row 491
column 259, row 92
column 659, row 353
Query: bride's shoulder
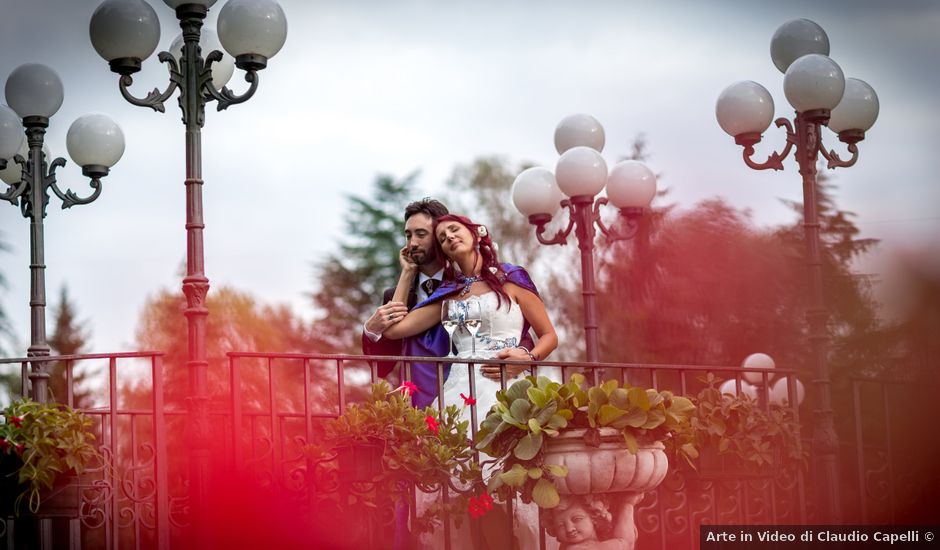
column 511, row 273
column 516, row 275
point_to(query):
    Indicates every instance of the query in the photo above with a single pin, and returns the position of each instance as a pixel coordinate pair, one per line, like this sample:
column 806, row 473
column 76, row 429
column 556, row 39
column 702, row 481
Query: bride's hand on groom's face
column 405, row 260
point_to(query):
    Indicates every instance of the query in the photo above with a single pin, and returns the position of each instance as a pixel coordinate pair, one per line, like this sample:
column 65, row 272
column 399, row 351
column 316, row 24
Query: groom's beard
column 422, row 257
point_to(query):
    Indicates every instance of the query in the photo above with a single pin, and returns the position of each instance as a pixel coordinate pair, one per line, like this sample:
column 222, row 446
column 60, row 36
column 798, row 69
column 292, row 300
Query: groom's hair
column 433, row 208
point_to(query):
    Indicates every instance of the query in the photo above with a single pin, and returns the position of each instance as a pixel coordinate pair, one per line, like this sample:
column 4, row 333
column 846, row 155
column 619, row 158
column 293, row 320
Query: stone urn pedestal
column 607, row 481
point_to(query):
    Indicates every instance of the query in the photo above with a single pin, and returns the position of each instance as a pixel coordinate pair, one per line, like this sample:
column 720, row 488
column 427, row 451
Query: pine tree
column 350, row 282
column 69, row 337
column 860, row 343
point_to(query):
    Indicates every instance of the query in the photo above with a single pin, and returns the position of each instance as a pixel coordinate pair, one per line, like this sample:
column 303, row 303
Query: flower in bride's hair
column 481, row 231
column 493, row 269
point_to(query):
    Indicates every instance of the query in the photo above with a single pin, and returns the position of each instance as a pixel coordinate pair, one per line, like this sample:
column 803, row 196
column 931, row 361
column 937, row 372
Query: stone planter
column 608, row 472
column 609, row 468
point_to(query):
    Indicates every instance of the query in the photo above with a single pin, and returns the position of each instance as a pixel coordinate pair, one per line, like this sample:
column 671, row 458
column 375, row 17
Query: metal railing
column 266, row 407
column 667, row 518
column 125, row 500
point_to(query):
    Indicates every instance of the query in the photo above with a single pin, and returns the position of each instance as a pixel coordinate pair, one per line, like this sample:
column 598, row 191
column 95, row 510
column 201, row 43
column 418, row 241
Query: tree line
column 699, row 285
column 703, row 285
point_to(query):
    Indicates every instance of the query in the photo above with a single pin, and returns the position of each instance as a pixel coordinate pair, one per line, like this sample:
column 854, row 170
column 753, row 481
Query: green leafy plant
column 425, row 447
column 735, row 426
column 533, row 410
column 43, row 441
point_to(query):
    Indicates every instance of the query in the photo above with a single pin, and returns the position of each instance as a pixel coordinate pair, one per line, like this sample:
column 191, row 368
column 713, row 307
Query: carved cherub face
column 574, row 525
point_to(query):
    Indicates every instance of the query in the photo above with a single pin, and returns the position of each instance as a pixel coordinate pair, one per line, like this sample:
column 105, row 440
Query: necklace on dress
column 467, row 282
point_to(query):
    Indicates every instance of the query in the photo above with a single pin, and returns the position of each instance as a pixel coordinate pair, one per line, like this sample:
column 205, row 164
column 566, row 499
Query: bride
column 509, row 303
column 508, row 300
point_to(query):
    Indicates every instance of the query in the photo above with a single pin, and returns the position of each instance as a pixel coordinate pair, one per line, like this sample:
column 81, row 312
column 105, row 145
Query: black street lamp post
column 815, row 86
column 125, row 32
column 580, row 174
column 35, row 93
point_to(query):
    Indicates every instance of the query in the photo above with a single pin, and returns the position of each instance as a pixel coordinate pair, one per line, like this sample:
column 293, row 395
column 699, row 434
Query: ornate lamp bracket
column 155, row 98
column 775, row 160
column 70, row 198
column 834, row 161
column 561, row 237
column 225, row 96
column 15, row 191
column 614, row 234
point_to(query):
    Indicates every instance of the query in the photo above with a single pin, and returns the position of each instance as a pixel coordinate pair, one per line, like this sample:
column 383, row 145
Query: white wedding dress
column 501, row 328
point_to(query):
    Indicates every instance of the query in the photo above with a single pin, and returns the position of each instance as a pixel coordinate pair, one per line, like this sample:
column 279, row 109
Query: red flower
column 432, row 423
column 408, row 388
column 16, row 421
column 479, row 506
column 20, row 448
column 468, row 400
column 4, row 444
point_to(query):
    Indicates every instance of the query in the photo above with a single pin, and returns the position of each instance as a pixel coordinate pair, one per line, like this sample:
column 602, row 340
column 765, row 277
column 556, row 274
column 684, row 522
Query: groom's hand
column 385, row 316
column 516, row 354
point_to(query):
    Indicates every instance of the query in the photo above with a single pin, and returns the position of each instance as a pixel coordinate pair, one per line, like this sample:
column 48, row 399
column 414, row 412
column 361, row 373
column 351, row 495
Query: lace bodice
column 501, row 328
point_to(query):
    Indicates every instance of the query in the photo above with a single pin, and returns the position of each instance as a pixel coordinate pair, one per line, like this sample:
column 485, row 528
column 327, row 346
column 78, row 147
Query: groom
column 419, row 237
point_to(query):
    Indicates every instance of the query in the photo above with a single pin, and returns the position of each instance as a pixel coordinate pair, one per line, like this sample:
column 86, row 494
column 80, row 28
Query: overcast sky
column 369, row 87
